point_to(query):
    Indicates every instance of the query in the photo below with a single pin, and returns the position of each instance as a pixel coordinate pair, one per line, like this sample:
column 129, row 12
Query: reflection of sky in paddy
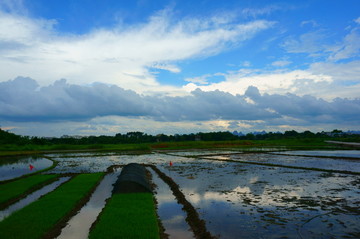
column 333, row 153
column 249, row 201
column 101, row 163
column 79, row 226
column 200, row 152
column 170, row 212
column 309, row 162
column 16, row 167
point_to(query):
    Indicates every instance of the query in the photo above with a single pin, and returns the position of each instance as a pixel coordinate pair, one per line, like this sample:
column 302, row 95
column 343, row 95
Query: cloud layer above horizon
column 23, row 100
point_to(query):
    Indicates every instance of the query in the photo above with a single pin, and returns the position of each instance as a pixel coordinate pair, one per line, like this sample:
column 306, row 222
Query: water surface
column 170, row 212
column 249, row 201
column 297, row 161
column 332, row 153
column 14, row 167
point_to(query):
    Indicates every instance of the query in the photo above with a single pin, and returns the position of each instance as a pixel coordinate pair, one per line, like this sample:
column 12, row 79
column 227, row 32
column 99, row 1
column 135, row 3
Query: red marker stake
column 171, row 164
column 31, row 167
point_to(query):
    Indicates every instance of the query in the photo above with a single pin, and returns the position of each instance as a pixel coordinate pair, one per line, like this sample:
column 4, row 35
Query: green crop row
column 127, row 215
column 15, row 189
column 40, row 217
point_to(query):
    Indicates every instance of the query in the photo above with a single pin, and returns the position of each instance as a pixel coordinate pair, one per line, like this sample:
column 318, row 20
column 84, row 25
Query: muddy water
column 247, row 201
column 101, row 163
column 32, row 197
column 309, row 162
column 78, row 227
column 16, row 167
column 170, row 212
column 333, row 153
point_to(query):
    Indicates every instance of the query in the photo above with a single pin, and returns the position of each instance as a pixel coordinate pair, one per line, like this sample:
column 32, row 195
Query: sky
column 101, row 67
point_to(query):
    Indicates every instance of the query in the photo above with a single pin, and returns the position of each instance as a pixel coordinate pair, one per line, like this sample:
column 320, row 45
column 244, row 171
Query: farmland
column 233, row 192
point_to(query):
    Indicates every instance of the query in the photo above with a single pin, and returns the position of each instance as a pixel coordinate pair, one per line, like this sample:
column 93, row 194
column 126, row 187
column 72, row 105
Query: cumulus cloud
column 23, row 100
column 297, row 82
column 122, row 55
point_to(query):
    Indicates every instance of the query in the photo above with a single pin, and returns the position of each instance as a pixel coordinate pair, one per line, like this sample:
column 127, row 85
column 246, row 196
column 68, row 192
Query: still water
column 170, row 212
column 331, row 153
column 247, row 201
column 15, row 167
column 79, row 226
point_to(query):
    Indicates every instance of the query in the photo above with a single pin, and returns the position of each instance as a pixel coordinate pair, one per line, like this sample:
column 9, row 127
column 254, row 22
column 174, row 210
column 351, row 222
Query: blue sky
column 103, row 67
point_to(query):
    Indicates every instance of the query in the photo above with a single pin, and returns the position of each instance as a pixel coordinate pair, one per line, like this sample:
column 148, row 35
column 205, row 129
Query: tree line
column 140, row 137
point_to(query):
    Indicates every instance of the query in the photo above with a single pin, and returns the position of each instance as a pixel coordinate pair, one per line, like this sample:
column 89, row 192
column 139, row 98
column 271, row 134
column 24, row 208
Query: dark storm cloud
column 308, row 108
column 22, row 99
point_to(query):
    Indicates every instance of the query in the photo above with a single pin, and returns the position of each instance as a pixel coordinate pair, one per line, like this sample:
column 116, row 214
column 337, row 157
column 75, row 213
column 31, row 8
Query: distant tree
column 291, row 134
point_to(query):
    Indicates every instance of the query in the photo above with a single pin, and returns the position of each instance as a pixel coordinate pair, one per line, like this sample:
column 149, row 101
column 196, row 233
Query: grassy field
column 38, row 218
column 17, row 150
column 13, row 190
column 130, row 215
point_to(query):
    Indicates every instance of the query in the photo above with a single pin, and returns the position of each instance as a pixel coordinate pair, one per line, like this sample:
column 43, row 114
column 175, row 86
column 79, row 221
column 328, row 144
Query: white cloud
column 168, row 67
column 281, row 63
column 311, row 43
column 13, row 6
column 246, row 64
column 350, row 47
column 357, row 20
column 272, row 82
column 121, row 55
column 313, row 23
column 316, row 44
column 201, row 80
column 254, row 12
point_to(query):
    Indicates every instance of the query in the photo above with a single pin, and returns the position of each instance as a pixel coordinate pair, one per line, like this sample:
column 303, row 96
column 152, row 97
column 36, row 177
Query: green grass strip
column 127, row 215
column 38, row 218
column 12, row 191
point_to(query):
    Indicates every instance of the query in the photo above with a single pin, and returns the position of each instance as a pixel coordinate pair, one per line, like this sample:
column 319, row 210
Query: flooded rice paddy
column 16, row 167
column 171, row 213
column 295, row 161
column 241, row 200
column 78, row 227
column 325, row 153
column 32, row 197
